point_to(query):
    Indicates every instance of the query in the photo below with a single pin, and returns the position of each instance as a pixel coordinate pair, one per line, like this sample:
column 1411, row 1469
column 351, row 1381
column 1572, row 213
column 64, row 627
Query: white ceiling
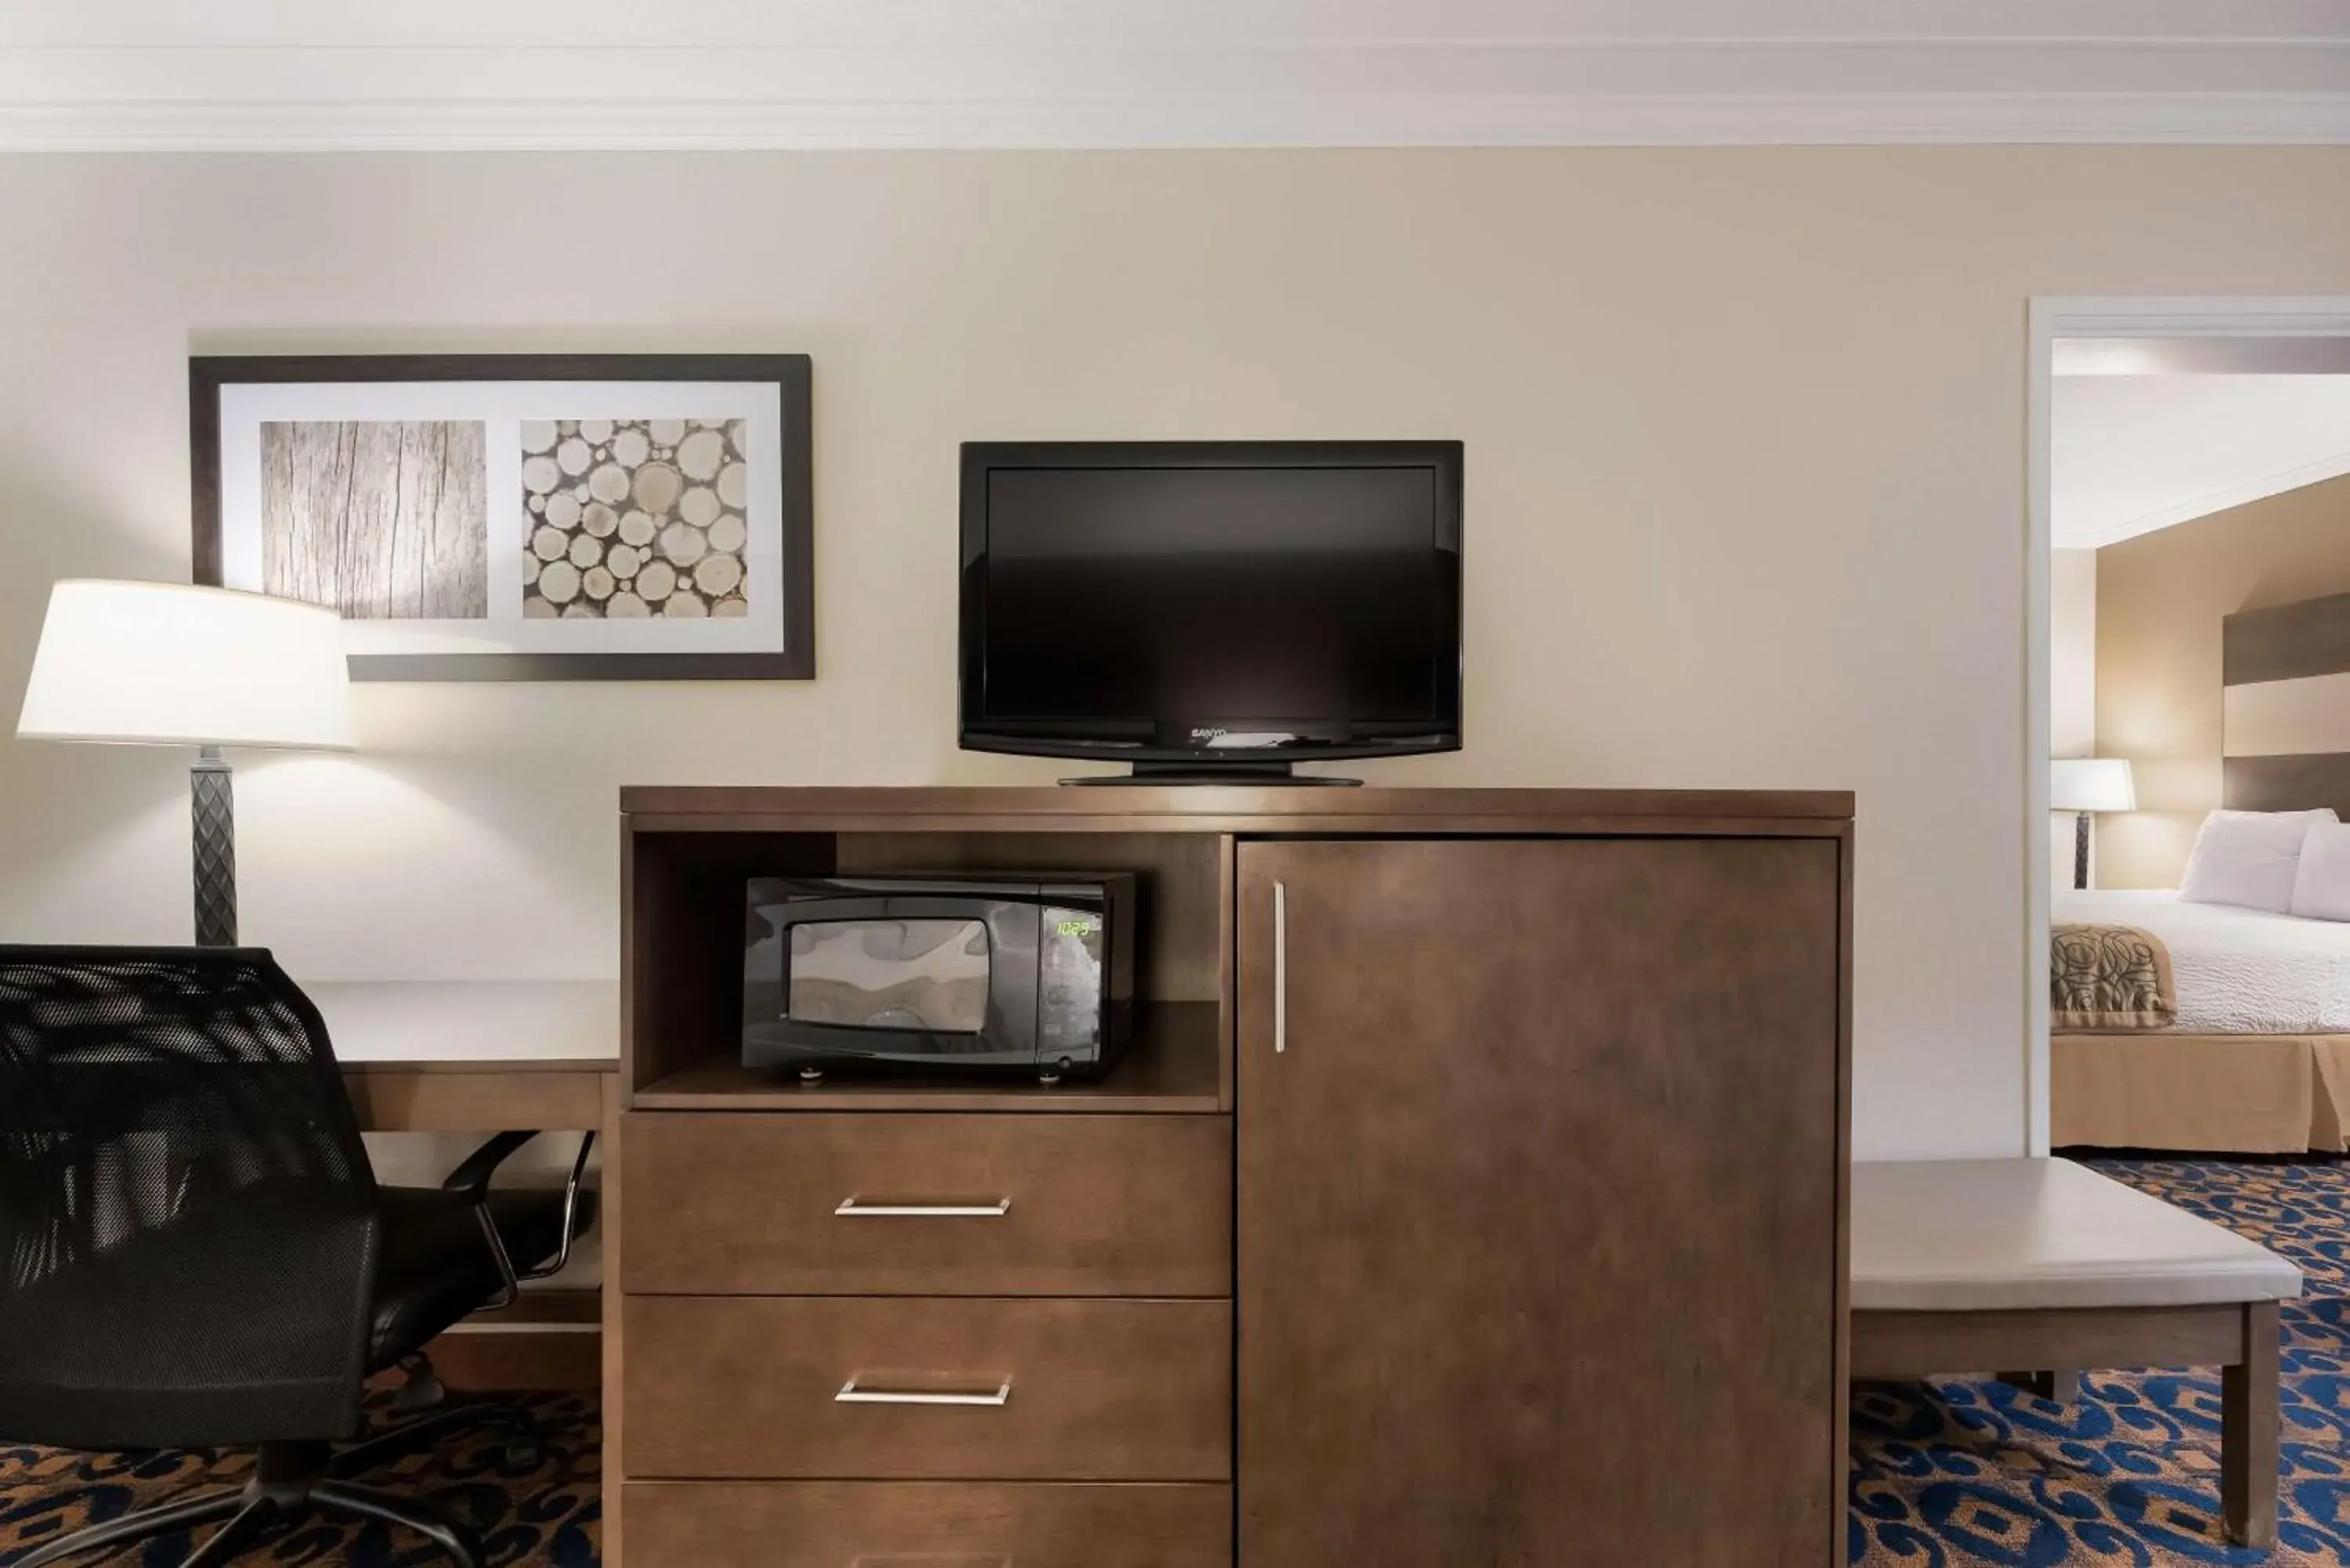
column 1150, row 73
column 2132, row 454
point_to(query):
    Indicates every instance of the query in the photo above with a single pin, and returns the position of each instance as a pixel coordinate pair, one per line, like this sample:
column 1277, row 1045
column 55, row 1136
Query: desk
column 482, row 1056
column 474, row 1056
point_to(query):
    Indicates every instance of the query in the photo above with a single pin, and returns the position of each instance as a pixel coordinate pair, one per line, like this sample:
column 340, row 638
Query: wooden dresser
column 1474, row 1192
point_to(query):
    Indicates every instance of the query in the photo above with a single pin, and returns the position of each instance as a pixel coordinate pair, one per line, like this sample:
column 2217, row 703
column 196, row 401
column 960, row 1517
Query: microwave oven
column 947, row 973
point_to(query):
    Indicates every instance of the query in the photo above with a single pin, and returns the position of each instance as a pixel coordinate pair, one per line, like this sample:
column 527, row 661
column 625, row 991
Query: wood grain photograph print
column 518, row 518
column 382, row 520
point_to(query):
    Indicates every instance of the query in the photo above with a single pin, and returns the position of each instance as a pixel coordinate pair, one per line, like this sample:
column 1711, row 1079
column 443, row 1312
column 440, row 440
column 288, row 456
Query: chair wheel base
column 287, row 1484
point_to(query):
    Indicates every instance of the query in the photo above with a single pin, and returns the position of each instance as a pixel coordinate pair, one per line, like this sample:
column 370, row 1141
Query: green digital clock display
column 1077, row 927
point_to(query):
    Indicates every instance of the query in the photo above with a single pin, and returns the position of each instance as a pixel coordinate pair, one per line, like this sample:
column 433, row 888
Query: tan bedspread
column 2234, row 1094
column 2109, row 978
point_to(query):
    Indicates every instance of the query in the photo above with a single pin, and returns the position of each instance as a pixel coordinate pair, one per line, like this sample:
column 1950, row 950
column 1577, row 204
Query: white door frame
column 2053, row 317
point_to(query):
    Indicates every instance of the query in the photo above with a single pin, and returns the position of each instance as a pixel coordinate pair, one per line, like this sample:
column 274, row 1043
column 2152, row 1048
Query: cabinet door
column 1539, row 1184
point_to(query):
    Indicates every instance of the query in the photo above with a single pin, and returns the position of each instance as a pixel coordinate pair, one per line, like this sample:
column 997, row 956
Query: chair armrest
column 570, row 1210
column 473, row 1175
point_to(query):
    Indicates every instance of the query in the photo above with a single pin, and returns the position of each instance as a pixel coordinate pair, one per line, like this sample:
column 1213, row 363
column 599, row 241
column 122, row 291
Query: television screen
column 1170, row 601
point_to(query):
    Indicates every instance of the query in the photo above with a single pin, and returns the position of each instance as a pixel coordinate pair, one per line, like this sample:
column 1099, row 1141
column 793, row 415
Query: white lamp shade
column 2091, row 783
column 163, row 664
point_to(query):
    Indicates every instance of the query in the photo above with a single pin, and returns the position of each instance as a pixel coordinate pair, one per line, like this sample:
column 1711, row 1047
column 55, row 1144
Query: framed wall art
column 518, row 517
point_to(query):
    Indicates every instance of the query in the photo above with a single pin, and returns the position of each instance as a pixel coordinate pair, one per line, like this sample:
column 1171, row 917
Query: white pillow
column 2248, row 857
column 2321, row 884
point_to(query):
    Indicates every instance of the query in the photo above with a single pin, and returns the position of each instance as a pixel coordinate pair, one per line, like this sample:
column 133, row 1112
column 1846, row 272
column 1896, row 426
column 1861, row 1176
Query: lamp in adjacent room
column 2084, row 785
column 166, row 664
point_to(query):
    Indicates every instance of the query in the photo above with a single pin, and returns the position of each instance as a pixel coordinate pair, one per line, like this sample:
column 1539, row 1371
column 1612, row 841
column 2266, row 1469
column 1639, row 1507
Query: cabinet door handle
column 1279, row 968
column 851, row 1394
column 853, row 1208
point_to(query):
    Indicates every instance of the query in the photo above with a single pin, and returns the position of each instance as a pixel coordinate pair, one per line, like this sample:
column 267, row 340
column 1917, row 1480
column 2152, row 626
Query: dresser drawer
column 925, row 1524
column 992, row 1205
column 882, row 1387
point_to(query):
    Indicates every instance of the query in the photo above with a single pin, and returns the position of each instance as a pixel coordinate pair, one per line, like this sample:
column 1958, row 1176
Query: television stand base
column 1221, row 773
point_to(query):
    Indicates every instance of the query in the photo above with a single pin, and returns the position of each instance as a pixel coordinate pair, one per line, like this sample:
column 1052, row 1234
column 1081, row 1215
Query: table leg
column 2250, row 1431
column 2062, row 1384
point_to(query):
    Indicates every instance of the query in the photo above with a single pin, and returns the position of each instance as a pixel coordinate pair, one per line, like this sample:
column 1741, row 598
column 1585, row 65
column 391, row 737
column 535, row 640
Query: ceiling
column 137, row 74
column 2132, row 452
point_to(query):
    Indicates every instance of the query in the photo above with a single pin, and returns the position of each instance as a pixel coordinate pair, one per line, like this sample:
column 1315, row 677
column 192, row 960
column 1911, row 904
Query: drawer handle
column 854, row 1206
column 851, row 1394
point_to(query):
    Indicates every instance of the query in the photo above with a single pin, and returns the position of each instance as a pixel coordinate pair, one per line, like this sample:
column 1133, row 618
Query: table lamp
column 2086, row 785
column 165, row 664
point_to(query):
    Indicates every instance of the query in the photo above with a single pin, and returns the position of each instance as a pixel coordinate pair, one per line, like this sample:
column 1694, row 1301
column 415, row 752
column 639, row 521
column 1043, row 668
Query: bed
column 2258, row 1059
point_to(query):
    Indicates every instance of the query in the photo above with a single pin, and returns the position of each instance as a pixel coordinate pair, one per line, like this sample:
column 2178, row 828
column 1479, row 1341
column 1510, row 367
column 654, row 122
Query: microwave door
column 917, row 976
column 942, row 982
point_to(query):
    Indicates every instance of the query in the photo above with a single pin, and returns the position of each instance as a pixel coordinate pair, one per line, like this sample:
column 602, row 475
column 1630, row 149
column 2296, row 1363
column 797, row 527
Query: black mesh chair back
column 188, row 1216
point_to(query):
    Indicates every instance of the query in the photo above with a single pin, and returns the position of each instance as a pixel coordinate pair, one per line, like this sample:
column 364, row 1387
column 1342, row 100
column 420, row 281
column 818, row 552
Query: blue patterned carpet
column 544, row 1517
column 1956, row 1475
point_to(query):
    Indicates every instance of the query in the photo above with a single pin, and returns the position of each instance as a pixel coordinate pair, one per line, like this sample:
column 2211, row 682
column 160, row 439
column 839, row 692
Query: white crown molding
column 730, row 25
column 1327, row 121
column 1133, row 79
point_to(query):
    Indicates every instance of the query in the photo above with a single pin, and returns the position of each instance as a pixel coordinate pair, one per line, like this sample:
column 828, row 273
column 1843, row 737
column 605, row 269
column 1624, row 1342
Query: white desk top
column 1978, row 1235
column 455, row 1021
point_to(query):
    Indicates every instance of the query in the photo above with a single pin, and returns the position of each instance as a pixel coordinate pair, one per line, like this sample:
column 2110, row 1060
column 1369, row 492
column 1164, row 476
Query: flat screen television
column 1212, row 611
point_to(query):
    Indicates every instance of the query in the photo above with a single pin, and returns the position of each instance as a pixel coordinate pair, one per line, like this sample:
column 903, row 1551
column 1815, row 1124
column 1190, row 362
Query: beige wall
column 1745, row 485
column 2160, row 598
column 2071, row 684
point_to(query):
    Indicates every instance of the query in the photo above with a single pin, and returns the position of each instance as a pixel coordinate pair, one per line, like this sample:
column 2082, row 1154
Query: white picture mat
column 502, row 406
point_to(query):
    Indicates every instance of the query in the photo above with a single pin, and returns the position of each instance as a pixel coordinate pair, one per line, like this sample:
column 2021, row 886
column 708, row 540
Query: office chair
column 197, row 1253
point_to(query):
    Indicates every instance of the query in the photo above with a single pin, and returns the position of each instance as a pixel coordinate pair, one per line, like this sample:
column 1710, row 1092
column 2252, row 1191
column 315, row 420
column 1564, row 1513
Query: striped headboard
column 2284, row 674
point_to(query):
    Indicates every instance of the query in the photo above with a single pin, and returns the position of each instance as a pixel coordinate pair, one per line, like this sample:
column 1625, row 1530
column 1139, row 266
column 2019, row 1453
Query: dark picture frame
column 790, row 374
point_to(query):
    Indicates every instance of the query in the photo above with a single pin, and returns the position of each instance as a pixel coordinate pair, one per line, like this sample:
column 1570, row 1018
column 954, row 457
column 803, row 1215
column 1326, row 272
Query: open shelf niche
column 682, row 885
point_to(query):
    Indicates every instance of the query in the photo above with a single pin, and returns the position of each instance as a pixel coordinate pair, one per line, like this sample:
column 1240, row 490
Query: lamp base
column 2080, row 849
column 213, row 803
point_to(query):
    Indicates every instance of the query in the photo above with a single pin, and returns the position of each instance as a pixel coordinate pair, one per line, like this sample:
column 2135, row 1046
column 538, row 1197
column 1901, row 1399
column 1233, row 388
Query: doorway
column 2072, row 342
